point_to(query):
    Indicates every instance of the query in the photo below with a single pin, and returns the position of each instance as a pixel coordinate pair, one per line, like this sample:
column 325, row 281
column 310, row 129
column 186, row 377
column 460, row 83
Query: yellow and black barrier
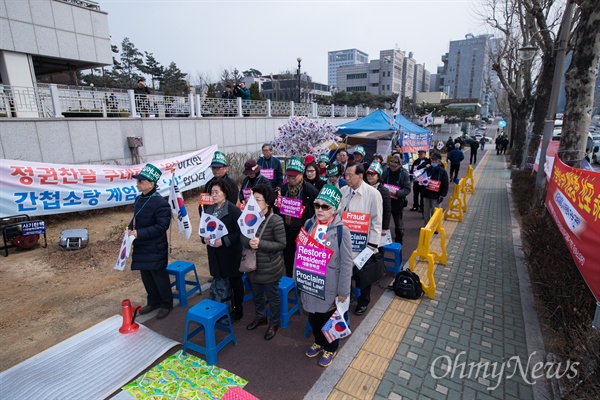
column 469, row 180
column 425, row 253
column 456, row 205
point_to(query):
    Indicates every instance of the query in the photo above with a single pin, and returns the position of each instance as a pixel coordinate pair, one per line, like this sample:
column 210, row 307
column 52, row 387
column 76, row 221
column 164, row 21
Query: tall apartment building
column 408, row 76
column 467, row 70
column 338, row 58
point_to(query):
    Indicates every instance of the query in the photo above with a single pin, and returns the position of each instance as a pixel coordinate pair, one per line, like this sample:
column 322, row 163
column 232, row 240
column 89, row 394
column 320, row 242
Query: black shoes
column 360, row 310
column 163, row 312
column 256, row 323
column 237, row 315
column 147, row 309
column 270, row 334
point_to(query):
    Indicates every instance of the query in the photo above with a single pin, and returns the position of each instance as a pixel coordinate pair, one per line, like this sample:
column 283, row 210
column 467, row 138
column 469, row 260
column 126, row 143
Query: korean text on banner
column 573, row 200
column 41, row 189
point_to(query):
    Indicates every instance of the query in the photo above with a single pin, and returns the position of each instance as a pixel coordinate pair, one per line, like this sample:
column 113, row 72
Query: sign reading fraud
column 358, row 224
column 311, row 269
column 573, row 200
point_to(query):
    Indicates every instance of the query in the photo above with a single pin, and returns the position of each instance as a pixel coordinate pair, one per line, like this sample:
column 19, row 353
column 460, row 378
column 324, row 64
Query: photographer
column 239, row 90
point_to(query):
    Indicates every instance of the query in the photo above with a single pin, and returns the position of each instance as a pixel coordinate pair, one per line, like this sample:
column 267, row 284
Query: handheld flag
column 251, row 218
column 212, row 227
column 179, row 211
column 336, row 326
column 426, row 120
column 123, row 253
column 397, row 110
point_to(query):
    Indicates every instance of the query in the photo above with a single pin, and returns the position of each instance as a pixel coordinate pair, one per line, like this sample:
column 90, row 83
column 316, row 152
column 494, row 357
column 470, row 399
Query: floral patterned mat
column 183, row 377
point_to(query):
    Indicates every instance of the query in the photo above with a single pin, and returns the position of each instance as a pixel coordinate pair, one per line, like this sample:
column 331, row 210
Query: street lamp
column 527, row 52
column 299, row 61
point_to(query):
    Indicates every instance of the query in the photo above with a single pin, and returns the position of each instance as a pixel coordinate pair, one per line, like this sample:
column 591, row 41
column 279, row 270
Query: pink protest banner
column 573, row 200
column 311, row 269
column 290, row 207
column 246, row 193
column 268, row 173
column 305, row 239
column 393, row 189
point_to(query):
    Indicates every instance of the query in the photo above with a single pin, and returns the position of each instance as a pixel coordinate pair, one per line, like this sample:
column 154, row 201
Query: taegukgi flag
column 211, row 227
column 426, row 120
column 336, row 326
column 251, row 218
column 123, row 253
column 179, row 211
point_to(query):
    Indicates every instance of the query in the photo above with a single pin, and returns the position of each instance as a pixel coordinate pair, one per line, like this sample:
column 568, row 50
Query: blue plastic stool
column 308, row 329
column 393, row 263
column 247, row 288
column 207, row 313
column 179, row 269
column 286, row 285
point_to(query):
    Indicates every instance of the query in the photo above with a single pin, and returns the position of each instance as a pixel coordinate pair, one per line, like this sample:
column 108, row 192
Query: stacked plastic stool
column 247, row 288
column 392, row 257
column 207, row 313
column 286, row 285
column 179, row 269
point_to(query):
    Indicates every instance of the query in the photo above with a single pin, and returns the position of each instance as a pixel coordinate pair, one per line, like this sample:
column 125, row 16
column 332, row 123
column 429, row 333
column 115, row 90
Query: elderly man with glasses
column 219, row 170
column 271, row 167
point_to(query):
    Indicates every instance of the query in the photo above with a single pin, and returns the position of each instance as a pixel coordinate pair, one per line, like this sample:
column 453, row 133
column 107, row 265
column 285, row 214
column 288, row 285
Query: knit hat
column 333, row 170
column 149, row 173
column 219, row 160
column 324, row 158
column 295, row 166
column 308, row 159
column 375, row 167
column 330, row 195
column 360, row 150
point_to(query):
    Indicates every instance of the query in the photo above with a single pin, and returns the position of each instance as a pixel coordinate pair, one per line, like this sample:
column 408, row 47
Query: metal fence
column 55, row 101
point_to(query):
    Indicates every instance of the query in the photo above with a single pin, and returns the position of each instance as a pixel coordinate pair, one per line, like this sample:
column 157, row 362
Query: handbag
column 371, row 272
column 248, row 263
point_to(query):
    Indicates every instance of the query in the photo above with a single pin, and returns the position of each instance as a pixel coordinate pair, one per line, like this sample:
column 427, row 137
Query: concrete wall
column 104, row 141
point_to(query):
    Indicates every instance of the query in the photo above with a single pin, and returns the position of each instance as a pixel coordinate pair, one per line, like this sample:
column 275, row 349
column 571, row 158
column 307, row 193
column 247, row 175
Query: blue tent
column 377, row 125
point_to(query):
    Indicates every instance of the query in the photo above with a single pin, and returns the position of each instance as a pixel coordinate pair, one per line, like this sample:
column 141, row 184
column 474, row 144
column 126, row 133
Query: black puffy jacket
column 152, row 216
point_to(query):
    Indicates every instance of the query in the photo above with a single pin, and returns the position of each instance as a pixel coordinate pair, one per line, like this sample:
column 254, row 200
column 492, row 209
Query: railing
column 55, row 101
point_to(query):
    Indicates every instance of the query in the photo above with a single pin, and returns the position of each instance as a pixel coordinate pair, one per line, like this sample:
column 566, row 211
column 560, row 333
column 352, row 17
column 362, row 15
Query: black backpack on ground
column 408, row 285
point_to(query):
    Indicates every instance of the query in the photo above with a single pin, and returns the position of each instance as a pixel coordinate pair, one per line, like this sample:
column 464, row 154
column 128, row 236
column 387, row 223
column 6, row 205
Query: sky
column 207, row 36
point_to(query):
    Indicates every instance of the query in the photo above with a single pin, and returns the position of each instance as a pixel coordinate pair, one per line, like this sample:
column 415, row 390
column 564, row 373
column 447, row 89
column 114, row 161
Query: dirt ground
column 49, row 294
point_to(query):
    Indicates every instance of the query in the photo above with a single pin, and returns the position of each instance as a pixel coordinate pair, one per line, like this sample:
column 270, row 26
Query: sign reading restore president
column 573, row 200
column 311, row 269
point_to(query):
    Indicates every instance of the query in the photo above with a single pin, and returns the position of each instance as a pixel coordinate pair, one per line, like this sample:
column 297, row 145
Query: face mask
column 434, row 164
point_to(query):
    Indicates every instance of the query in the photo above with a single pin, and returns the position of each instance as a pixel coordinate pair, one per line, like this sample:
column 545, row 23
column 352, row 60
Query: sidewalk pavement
column 482, row 318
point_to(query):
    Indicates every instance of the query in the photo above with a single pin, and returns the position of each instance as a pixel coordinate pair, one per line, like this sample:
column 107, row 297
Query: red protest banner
column 573, row 200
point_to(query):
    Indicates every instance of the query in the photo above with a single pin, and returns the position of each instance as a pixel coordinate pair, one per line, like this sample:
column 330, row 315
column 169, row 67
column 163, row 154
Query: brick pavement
column 476, row 317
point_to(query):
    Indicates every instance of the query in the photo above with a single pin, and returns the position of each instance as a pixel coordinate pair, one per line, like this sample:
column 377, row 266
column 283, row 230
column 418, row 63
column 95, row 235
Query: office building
column 338, row 58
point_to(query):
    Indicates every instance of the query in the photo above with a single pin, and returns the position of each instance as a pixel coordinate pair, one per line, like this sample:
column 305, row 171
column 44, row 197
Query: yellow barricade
column 425, row 253
column 470, row 181
column 455, row 204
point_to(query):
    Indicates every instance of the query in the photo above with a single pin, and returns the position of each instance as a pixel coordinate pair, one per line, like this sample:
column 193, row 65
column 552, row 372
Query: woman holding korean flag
column 326, row 235
column 268, row 241
column 225, row 253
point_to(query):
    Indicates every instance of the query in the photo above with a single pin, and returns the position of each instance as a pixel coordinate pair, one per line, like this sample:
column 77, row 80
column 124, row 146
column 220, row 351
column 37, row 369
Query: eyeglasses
column 324, row 207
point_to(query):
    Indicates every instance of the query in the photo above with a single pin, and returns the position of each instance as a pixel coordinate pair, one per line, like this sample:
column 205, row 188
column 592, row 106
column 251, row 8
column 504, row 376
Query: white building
column 338, row 58
column 43, row 37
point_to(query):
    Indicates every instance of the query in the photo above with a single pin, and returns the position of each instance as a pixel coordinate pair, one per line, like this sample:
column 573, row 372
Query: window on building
column 357, row 76
column 356, row 89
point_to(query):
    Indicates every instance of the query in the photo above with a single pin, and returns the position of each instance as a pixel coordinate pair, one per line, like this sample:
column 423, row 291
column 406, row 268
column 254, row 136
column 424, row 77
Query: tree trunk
column 519, row 117
column 580, row 80
column 541, row 105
